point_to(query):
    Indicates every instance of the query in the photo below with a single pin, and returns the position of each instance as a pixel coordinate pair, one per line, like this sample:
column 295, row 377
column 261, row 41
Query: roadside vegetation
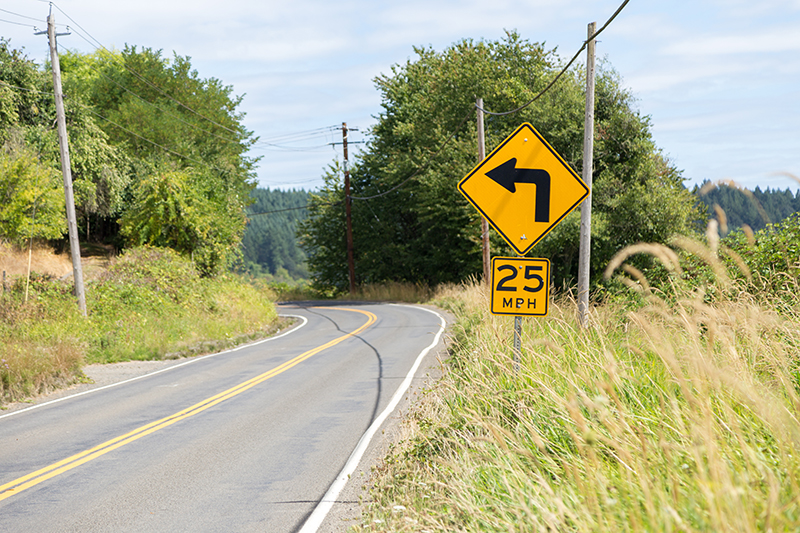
column 676, row 410
column 149, row 303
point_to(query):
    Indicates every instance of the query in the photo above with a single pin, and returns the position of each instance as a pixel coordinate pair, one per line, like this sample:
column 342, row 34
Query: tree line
column 409, row 221
column 158, row 154
column 270, row 245
column 742, row 207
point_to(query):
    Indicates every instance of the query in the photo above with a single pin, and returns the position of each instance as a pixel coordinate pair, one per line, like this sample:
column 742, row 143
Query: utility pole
column 484, row 222
column 351, row 267
column 72, row 224
column 586, row 207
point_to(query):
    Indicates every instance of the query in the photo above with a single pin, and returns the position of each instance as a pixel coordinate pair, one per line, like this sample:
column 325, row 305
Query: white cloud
column 702, row 69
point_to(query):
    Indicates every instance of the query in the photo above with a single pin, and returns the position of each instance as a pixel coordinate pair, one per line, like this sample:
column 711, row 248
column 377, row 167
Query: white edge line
column 322, row 509
column 190, row 361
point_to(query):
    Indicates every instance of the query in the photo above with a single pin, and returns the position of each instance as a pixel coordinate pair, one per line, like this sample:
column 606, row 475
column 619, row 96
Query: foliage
column 22, row 100
column 182, row 138
column 675, row 415
column 151, row 303
column 136, row 118
column 742, row 207
column 322, row 236
column 772, row 256
column 269, row 244
column 424, row 230
column 176, row 210
column 31, row 197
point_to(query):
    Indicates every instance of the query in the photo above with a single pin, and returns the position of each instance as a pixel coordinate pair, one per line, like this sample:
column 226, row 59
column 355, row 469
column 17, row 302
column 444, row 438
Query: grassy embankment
column 672, row 412
column 147, row 304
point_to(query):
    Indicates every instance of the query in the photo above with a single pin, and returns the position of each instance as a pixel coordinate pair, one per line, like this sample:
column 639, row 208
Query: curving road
column 250, row 439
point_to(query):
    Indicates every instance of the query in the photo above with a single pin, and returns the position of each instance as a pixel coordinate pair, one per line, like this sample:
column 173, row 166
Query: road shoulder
column 349, row 507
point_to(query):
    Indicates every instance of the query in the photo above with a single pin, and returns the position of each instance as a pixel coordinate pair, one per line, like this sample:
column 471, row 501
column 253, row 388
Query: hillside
column 755, row 208
column 269, row 244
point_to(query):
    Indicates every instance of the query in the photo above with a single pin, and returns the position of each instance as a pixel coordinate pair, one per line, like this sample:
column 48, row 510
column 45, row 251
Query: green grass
column 675, row 414
column 149, row 304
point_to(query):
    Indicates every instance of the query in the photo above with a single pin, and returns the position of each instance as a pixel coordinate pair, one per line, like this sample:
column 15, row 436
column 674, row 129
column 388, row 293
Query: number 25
column 529, row 275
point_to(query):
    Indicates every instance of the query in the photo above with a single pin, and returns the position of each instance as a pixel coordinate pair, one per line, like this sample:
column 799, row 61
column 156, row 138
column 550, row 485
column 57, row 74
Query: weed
column 149, row 304
column 672, row 412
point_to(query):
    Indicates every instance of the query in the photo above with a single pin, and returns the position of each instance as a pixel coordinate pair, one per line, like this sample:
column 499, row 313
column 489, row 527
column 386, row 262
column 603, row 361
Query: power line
column 302, row 134
column 571, row 61
column 280, row 210
column 19, row 23
column 423, row 167
column 178, row 118
column 123, row 128
column 195, row 126
column 21, row 16
column 252, row 142
column 25, row 89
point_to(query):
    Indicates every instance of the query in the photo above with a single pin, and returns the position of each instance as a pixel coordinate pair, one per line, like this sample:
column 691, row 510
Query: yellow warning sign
column 520, row 286
column 524, row 188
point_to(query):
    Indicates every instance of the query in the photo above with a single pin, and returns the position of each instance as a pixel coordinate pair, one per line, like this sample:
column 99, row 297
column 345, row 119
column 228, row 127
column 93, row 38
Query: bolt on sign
column 520, row 286
column 523, row 188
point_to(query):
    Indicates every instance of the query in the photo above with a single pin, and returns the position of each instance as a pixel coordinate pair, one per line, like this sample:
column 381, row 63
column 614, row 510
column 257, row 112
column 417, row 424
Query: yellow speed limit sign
column 520, row 286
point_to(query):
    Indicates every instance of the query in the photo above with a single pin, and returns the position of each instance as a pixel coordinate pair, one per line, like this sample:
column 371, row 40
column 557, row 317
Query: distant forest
column 754, row 208
column 270, row 244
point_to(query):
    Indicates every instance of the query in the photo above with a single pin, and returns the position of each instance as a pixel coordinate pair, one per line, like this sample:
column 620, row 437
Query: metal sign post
column 524, row 188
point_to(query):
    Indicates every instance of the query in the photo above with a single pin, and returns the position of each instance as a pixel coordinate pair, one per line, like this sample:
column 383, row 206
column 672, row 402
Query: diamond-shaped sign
column 523, row 188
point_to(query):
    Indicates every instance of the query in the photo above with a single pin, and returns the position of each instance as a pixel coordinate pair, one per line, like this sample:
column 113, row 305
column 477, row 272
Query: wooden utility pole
column 351, row 267
column 484, row 222
column 586, row 207
column 72, row 224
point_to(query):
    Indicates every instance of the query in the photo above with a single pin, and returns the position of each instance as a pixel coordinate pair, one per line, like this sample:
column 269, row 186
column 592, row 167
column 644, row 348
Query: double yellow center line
column 48, row 472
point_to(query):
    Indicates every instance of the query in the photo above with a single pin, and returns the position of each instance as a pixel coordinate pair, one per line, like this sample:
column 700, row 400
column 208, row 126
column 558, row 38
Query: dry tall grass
column 14, row 262
column 676, row 414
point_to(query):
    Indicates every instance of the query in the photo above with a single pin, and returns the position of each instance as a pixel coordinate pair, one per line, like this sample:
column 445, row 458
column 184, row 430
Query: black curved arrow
column 508, row 175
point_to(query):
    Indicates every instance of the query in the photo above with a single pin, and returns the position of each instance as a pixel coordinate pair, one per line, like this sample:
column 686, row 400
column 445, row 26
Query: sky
column 719, row 79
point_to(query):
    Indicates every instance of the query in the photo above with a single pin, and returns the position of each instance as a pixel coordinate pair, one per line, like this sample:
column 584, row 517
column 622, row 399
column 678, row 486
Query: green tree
column 270, row 240
column 31, row 197
column 175, row 209
column 27, row 114
column 24, row 98
column 424, row 230
column 741, row 207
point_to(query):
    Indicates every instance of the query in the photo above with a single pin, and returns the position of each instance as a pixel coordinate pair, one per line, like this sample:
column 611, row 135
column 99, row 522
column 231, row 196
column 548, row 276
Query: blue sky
column 719, row 79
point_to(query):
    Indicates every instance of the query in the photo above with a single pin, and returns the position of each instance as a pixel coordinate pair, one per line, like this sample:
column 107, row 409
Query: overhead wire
column 551, row 84
column 97, row 45
column 396, row 187
column 21, row 15
column 176, row 117
column 139, row 76
column 563, row 70
column 254, row 142
column 19, row 23
column 423, row 167
column 49, row 93
column 123, row 128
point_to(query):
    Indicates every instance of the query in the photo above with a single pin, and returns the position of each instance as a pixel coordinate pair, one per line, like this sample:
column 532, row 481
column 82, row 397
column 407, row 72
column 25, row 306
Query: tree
column 424, row 230
column 270, row 240
column 27, row 117
column 176, row 130
column 31, row 197
column 173, row 209
column 139, row 125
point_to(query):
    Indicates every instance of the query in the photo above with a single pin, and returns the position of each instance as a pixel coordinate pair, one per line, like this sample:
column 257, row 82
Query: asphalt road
column 245, row 440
